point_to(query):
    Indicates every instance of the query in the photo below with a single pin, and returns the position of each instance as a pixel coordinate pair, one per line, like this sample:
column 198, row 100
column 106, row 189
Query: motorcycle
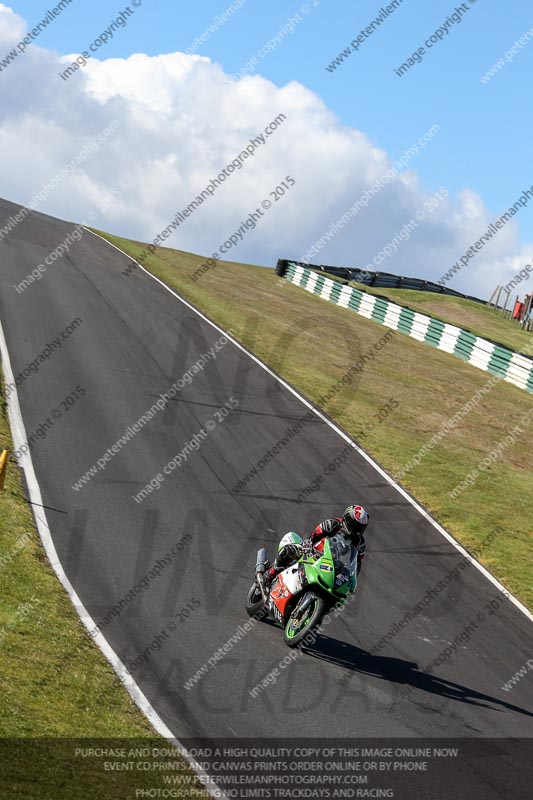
column 304, row 592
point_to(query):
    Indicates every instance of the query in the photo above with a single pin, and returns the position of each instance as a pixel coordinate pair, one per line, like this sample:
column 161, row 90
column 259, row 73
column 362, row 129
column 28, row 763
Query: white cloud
column 181, row 123
column 12, row 27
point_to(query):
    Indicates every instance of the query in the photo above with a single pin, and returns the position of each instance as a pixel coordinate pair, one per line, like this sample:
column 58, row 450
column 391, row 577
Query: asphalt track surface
column 136, row 339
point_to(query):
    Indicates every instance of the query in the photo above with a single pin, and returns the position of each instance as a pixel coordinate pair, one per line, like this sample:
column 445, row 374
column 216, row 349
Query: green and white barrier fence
column 481, row 353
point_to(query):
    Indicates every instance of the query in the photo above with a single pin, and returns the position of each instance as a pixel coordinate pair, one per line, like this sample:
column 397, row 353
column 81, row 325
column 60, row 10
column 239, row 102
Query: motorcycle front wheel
column 299, row 624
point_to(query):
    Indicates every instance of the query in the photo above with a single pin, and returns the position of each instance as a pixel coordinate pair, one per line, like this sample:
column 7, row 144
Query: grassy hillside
column 312, row 344
column 54, row 682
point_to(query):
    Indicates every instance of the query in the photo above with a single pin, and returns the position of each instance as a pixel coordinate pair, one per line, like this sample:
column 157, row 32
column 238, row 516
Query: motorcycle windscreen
column 344, row 555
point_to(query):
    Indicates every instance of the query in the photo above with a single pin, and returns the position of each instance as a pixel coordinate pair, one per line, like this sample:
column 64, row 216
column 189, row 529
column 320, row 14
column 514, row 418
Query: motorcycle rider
column 350, row 528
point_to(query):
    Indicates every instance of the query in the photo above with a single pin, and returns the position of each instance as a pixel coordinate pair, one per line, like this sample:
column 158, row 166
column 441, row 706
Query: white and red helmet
column 354, row 521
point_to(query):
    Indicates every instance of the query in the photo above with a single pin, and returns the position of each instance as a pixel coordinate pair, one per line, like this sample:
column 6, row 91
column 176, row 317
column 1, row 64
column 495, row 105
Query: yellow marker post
column 3, row 468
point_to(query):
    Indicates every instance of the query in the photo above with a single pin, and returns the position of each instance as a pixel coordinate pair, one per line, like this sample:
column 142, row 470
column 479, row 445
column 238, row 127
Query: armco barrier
column 481, row 353
column 385, row 280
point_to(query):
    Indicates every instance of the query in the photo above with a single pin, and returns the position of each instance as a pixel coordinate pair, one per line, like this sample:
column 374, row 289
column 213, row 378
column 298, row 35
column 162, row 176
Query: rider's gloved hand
column 288, row 554
column 307, row 547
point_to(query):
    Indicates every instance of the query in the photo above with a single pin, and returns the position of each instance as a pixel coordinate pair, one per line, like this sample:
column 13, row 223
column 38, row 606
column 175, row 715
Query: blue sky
column 483, row 145
column 485, row 140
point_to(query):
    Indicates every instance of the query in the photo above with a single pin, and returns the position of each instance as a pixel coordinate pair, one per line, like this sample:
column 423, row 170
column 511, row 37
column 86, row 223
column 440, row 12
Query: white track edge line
column 19, row 438
column 341, row 433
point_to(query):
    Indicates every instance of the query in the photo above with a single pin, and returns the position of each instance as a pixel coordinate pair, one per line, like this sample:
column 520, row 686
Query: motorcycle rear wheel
column 296, row 630
column 254, row 600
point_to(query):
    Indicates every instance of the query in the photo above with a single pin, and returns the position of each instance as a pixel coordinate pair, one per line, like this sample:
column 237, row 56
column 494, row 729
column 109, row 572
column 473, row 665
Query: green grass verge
column 473, row 317
column 54, row 682
column 310, row 342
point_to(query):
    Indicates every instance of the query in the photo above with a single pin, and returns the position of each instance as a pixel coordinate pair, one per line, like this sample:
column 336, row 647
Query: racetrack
column 135, row 340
